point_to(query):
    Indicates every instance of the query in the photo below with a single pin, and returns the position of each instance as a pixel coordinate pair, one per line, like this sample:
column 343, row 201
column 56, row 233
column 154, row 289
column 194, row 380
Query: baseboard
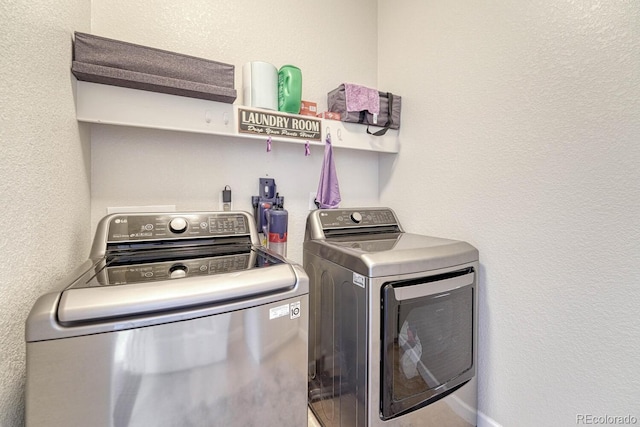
column 486, row 421
column 465, row 411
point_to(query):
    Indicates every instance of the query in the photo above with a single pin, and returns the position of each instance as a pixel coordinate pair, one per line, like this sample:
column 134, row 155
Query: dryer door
column 427, row 337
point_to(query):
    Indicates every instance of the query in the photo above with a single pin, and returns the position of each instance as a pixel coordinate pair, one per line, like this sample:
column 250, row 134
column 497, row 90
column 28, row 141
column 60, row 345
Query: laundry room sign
column 284, row 125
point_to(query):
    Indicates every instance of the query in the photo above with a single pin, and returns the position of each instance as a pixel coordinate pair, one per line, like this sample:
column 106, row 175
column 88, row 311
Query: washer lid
column 125, row 289
column 389, row 254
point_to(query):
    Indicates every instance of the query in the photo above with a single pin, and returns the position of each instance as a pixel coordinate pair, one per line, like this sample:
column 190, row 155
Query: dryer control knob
column 356, row 217
column 178, row 225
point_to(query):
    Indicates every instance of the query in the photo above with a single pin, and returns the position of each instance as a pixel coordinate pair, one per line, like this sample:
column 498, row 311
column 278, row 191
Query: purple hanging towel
column 328, row 195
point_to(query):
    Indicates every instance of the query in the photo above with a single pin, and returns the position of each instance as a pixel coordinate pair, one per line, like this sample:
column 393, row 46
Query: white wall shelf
column 114, row 105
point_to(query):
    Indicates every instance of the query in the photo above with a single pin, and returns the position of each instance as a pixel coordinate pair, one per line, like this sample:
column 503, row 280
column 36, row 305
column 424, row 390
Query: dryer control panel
column 354, row 218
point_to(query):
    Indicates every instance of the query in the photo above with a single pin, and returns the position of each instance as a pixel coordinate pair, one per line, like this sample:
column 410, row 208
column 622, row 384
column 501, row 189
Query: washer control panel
column 369, row 217
column 149, row 227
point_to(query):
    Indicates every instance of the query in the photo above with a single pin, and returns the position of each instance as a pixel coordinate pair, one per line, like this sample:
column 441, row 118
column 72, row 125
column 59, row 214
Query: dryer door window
column 427, row 336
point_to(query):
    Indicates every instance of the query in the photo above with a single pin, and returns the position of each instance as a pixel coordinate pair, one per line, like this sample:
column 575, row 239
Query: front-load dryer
column 393, row 323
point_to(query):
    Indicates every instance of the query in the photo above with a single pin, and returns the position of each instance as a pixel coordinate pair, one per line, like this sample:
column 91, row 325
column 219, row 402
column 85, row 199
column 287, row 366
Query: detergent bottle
column 277, row 219
column 289, row 89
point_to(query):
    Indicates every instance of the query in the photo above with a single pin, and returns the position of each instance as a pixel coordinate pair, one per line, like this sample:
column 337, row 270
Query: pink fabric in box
column 359, row 98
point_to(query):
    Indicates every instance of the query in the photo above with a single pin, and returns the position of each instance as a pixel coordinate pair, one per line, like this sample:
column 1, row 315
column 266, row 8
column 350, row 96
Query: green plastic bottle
column 289, row 89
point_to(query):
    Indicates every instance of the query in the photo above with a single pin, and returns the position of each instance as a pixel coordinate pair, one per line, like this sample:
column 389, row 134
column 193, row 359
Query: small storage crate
column 102, row 60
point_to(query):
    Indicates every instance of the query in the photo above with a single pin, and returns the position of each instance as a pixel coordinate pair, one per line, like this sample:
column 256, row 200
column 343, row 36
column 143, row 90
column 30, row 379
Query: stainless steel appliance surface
column 176, row 319
column 393, row 323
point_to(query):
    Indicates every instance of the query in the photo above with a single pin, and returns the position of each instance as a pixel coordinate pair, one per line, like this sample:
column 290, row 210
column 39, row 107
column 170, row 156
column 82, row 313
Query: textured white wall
column 521, row 130
column 330, row 41
column 44, row 173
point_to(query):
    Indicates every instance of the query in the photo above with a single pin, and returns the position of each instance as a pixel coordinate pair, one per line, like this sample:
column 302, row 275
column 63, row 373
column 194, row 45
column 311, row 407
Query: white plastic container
column 260, row 85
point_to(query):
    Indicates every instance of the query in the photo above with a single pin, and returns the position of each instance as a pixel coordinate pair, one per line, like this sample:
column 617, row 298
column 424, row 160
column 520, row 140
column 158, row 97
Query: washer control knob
column 178, row 225
column 178, row 271
column 356, row 217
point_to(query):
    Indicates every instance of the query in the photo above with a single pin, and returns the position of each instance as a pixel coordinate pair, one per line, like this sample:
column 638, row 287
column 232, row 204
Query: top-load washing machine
column 393, row 323
column 176, row 319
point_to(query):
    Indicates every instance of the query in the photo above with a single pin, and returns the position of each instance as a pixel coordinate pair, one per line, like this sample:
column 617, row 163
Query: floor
column 312, row 420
